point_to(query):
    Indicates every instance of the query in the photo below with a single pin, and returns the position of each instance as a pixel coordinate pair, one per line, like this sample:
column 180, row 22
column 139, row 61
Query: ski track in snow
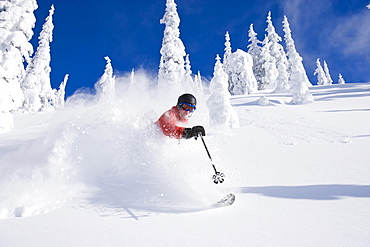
column 290, row 129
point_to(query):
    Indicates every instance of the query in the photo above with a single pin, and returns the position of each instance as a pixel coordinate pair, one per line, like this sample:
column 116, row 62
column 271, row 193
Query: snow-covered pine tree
column 295, row 63
column 132, row 82
column 268, row 64
column 298, row 80
column 187, row 82
column 36, row 86
column 341, row 79
column 227, row 50
column 321, row 76
column 255, row 49
column 171, row 69
column 227, row 53
column 241, row 77
column 198, row 85
column 105, row 87
column 220, row 110
column 59, row 95
column 277, row 52
column 327, row 74
column 16, row 22
column 132, row 77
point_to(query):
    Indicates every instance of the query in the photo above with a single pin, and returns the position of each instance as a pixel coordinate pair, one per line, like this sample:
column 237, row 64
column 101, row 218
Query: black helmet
column 187, row 98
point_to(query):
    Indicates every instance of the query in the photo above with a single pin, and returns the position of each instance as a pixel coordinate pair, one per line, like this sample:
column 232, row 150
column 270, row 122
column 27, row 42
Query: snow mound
column 263, row 101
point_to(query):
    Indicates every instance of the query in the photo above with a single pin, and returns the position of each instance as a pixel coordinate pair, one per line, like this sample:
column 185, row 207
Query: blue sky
column 129, row 33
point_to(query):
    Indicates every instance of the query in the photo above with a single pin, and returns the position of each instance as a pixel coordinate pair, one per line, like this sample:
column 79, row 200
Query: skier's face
column 185, row 114
column 186, row 110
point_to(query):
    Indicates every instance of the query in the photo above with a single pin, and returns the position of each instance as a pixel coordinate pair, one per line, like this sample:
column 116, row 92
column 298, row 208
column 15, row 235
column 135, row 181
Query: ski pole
column 218, row 177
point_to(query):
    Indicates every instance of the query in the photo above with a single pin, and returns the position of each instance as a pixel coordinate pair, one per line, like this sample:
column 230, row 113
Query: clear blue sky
column 129, row 32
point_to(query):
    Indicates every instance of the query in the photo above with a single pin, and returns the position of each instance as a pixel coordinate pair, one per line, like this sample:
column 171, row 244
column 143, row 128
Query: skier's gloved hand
column 199, row 130
column 193, row 132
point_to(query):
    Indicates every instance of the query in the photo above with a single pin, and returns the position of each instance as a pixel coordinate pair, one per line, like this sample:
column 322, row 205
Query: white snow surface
column 100, row 174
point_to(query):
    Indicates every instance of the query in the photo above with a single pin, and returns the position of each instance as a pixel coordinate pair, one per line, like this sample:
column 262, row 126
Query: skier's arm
column 167, row 123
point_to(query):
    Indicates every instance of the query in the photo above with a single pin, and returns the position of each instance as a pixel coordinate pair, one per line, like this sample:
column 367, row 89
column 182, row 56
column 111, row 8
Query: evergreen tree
column 132, row 82
column 295, row 64
column 36, row 85
column 277, row 52
column 341, row 79
column 60, row 94
column 327, row 74
column 255, row 50
column 227, row 53
column 171, row 69
column 241, row 77
column 16, row 23
column 227, row 50
column 298, row 80
column 198, row 85
column 132, row 77
column 268, row 64
column 220, row 110
column 321, row 76
column 105, row 87
column 187, row 82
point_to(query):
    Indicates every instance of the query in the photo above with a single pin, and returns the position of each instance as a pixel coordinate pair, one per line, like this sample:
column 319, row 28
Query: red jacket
column 169, row 121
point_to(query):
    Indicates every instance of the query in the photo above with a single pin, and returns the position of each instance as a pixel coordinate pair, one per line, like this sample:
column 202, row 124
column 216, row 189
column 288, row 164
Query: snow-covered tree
column 241, row 77
column 321, row 76
column 295, row 64
column 298, row 80
column 277, row 52
column 36, row 86
column 60, row 94
column 268, row 64
column 198, row 85
column 227, row 53
column 341, row 79
column 105, row 87
column 255, row 49
column 327, row 74
column 227, row 50
column 171, row 69
column 187, row 82
column 132, row 77
column 16, row 22
column 220, row 109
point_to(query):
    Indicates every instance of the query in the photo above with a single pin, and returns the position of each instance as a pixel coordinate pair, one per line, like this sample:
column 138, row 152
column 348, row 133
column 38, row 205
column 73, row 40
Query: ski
column 226, row 201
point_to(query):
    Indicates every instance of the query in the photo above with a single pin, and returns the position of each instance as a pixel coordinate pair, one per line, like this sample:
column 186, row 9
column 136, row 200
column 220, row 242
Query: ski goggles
column 187, row 107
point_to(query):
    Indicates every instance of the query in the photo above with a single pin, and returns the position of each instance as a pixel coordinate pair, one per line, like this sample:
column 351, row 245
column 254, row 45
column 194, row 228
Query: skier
column 178, row 115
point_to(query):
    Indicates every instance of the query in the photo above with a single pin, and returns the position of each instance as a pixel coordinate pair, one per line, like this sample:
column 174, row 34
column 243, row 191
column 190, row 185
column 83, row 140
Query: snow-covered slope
column 99, row 174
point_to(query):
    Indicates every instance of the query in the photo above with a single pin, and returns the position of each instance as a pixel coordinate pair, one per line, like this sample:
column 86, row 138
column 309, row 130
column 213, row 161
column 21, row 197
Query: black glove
column 193, row 132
